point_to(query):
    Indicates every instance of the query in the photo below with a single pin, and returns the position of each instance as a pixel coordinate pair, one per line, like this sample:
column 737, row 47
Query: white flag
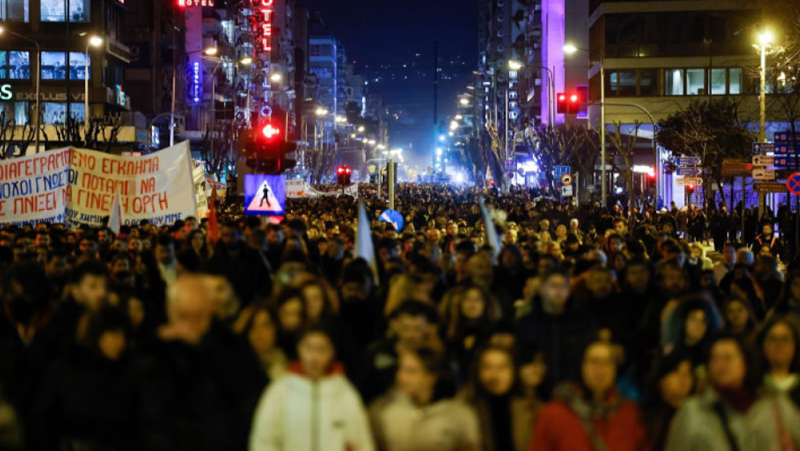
column 115, row 218
column 364, row 247
column 491, row 232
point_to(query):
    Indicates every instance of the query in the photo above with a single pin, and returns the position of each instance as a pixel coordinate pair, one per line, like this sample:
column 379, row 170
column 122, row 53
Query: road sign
column 786, row 136
column 734, row 167
column 793, row 183
column 566, row 179
column 394, row 218
column 763, row 160
column 782, row 162
column 764, row 174
column 561, row 170
column 769, row 187
column 763, row 147
column 689, row 161
column 688, row 171
column 784, row 149
column 566, row 191
column 695, row 181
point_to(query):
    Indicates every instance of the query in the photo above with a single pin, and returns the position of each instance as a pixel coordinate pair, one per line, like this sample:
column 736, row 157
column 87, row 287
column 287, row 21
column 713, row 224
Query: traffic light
column 561, row 103
column 343, row 174
column 574, row 103
column 265, row 150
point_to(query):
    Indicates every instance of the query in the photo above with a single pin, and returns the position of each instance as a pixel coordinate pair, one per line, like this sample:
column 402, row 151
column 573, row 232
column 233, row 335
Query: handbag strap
column 719, row 409
column 597, row 442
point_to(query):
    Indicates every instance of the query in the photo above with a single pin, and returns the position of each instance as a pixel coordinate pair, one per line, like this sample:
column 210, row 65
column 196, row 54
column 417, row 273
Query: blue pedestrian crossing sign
column 264, row 195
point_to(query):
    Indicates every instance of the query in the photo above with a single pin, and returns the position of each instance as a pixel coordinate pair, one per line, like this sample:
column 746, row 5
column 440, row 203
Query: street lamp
column 570, row 49
column 276, row 77
column 515, row 65
column 94, row 41
column 464, row 101
column 38, row 79
column 765, row 39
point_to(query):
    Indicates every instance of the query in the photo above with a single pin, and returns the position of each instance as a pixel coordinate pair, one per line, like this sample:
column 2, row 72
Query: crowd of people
column 578, row 329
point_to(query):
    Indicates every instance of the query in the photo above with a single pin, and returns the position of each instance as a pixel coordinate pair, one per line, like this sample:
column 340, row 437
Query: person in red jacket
column 592, row 415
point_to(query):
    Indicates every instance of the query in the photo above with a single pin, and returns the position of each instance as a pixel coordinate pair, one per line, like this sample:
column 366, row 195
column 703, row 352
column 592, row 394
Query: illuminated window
column 54, row 10
column 56, row 112
column 3, row 64
column 19, row 65
column 735, row 82
column 718, row 81
column 14, row 11
column 21, row 112
column 54, row 66
column 673, row 82
column 695, row 82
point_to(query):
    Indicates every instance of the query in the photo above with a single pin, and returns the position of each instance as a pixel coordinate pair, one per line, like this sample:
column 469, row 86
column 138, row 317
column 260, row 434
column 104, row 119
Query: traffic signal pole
column 392, row 180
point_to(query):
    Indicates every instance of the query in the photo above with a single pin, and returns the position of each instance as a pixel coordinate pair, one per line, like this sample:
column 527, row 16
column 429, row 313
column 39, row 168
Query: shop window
column 673, row 82
column 61, row 10
column 21, row 110
column 54, row 66
column 14, row 11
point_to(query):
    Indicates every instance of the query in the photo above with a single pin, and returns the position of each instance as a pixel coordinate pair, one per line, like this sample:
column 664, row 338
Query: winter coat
column 697, row 426
column 560, row 427
column 444, row 425
column 298, row 414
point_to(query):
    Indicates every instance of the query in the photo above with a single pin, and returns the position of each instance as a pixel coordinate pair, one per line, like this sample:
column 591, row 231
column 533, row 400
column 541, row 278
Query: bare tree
column 625, row 147
column 218, row 150
column 15, row 138
column 584, row 157
column 319, row 163
column 554, row 145
column 101, row 134
column 496, row 155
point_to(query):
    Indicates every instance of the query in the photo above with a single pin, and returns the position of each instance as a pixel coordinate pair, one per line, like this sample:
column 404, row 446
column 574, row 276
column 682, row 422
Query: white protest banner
column 157, row 187
column 34, row 188
column 296, row 188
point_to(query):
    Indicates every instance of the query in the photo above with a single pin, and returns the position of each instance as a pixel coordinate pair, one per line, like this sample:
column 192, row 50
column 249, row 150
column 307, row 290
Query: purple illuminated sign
column 195, row 83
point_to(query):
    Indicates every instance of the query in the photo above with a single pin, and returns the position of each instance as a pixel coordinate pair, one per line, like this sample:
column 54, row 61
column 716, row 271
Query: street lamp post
column 37, row 120
column 764, row 40
column 570, row 49
column 94, row 41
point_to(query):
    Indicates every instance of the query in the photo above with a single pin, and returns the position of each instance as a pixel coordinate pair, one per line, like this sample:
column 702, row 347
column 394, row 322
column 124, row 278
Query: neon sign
column 196, row 85
column 188, row 3
column 267, row 9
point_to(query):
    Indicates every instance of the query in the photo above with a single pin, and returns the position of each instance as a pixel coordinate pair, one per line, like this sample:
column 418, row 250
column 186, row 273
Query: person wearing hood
column 558, row 327
column 420, row 413
column 592, row 415
column 314, row 407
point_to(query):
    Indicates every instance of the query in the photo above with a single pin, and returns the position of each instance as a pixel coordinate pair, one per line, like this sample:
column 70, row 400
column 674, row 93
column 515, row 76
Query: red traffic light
column 347, row 170
column 269, row 131
column 562, row 97
column 573, row 98
column 341, row 169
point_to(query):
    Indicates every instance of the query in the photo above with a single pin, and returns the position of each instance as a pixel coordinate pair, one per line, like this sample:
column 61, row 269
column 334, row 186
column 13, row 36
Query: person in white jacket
column 314, row 407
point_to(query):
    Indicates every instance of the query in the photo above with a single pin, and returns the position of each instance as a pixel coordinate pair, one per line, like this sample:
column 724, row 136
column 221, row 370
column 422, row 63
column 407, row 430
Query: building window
column 718, row 82
column 3, row 64
column 14, row 11
column 21, row 112
column 673, row 82
column 735, row 80
column 648, row 82
column 695, row 82
column 54, row 10
column 19, row 65
column 54, row 66
column 56, row 112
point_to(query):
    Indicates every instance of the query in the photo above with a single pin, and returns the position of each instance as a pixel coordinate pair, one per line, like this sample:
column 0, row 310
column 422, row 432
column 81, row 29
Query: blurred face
column 766, row 230
column 120, row 265
column 672, row 280
column 197, row 241
column 262, row 333
column 91, row 292
column 696, row 327
column 637, row 277
column 189, row 226
column 599, row 369
column 532, row 374
column 412, row 378
column 164, row 254
column 736, row 315
column 472, row 306
column 315, row 301
column 620, row 228
column 55, row 267
column 191, row 313
column 779, row 347
column 87, row 246
column 600, row 283
column 136, row 312
column 112, row 344
column 728, row 255
column 795, row 288
column 726, row 365
column 555, row 293
column 411, row 330
column 677, row 385
column 316, row 354
column 496, row 372
column 290, row 315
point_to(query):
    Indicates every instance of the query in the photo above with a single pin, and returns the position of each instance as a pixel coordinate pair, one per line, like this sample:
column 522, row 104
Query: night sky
column 392, row 44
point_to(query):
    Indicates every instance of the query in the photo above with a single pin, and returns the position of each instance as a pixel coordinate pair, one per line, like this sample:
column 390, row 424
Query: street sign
column 793, row 183
column 735, row 167
column 786, row 136
column 695, row 181
column 782, row 162
column 688, row 171
column 784, row 149
column 561, row 170
column 763, row 147
column 566, row 179
column 566, row 191
column 769, row 187
column 689, row 161
column 763, row 160
column 764, row 174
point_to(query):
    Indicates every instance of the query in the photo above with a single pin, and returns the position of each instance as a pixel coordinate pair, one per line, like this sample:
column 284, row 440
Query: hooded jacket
column 299, row 414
